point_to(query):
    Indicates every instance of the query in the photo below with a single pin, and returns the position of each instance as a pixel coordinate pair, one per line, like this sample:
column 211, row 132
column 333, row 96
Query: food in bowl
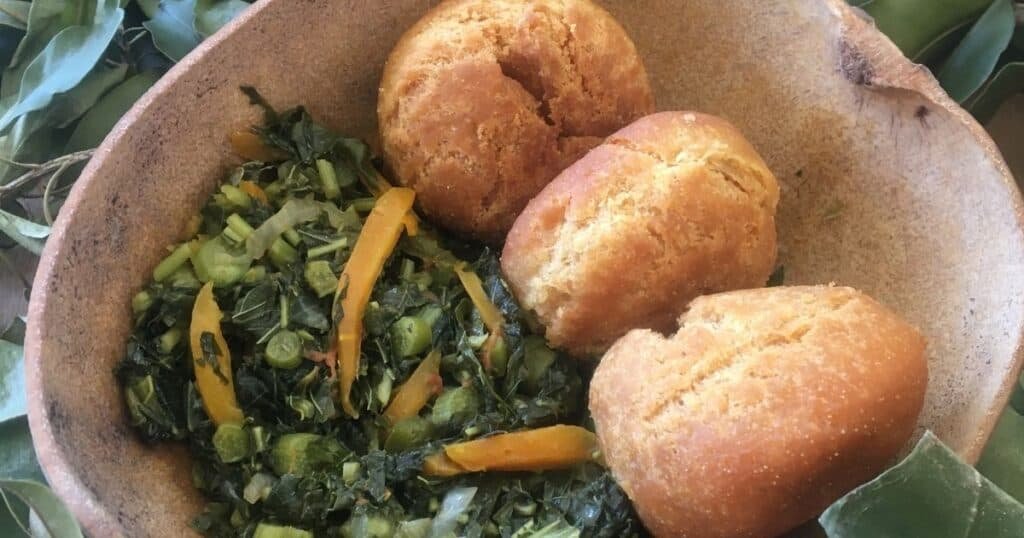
column 483, row 102
column 764, row 407
column 447, row 412
column 673, row 206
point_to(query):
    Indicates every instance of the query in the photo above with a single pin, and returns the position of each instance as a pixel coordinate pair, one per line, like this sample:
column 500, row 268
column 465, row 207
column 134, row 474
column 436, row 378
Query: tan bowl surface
column 888, row 186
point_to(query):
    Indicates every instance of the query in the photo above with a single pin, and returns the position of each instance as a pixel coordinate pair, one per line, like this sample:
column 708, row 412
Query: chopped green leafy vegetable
column 273, row 242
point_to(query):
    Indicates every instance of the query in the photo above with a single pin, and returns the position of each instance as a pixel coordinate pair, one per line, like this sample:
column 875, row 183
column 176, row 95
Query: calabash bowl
column 888, row 186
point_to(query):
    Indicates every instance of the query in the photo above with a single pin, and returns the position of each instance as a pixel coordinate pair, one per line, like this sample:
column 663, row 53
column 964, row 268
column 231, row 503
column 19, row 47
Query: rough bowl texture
column 887, row 186
column 485, row 101
column 675, row 205
column 764, row 407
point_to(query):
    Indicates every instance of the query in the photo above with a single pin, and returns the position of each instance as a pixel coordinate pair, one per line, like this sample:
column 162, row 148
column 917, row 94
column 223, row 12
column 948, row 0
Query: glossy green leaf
column 915, row 24
column 930, row 493
column 1007, row 81
column 172, row 28
column 211, row 15
column 64, row 62
column 15, row 331
column 1002, row 462
column 17, row 460
column 55, row 516
column 14, row 13
column 975, row 57
column 17, row 456
column 26, row 233
column 12, row 381
column 45, row 20
column 149, row 7
column 69, row 106
column 102, row 117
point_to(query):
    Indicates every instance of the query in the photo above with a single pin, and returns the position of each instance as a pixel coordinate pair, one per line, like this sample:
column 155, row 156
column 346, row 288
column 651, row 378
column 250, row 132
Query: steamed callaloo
column 337, row 368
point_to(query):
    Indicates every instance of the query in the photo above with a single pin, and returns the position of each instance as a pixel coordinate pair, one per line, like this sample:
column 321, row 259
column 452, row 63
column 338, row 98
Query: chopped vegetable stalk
column 171, row 263
column 235, row 197
column 302, row 453
column 489, row 313
column 456, row 503
column 328, row 179
column 378, row 238
column 320, row 278
column 293, row 212
column 266, row 530
column 329, row 248
column 284, row 350
column 238, row 225
column 410, row 335
column 141, row 302
column 254, row 190
column 169, row 340
column 232, row 443
column 281, row 253
column 214, row 380
column 414, row 394
column 455, row 407
column 219, row 262
column 407, row 434
column 250, row 146
column 554, row 447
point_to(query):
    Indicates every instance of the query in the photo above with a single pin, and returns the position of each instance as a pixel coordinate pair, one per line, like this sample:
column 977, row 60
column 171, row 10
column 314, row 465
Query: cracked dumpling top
column 676, row 205
column 483, row 102
column 763, row 408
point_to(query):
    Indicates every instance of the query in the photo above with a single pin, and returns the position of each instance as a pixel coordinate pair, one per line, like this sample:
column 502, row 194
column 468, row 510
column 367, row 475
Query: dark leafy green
column 332, row 474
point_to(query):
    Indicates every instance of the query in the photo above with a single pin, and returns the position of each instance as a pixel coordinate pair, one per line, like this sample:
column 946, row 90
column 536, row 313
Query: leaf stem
column 49, row 188
column 39, row 171
column 14, row 515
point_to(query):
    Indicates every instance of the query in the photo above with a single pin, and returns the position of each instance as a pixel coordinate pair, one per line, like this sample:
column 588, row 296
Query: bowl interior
column 887, row 186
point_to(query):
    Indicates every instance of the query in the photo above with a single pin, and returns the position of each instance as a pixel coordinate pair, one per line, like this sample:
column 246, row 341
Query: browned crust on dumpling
column 763, row 408
column 676, row 205
column 483, row 102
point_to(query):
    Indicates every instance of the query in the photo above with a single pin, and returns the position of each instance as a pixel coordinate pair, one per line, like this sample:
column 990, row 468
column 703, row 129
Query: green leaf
column 55, row 516
column 913, row 25
column 14, row 13
column 172, row 29
column 101, row 118
column 149, row 7
column 975, row 57
column 69, row 106
column 211, row 15
column 17, row 456
column 1002, row 462
column 930, row 493
column 15, row 331
column 45, row 20
column 64, row 62
column 1007, row 81
column 12, row 381
column 26, row 233
column 17, row 460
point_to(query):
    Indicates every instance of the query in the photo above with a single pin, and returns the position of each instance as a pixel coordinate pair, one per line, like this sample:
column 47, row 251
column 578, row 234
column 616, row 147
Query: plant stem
column 49, row 189
column 39, row 171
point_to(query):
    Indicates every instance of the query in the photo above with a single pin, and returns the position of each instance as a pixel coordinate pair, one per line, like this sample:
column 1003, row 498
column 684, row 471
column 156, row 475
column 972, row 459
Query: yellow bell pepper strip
column 489, row 313
column 377, row 186
column 412, row 395
column 248, row 145
column 374, row 245
column 440, row 464
column 216, row 389
column 553, row 447
column 254, row 190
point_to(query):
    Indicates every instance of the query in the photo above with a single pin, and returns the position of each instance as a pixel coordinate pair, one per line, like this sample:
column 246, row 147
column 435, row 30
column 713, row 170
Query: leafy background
column 74, row 67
